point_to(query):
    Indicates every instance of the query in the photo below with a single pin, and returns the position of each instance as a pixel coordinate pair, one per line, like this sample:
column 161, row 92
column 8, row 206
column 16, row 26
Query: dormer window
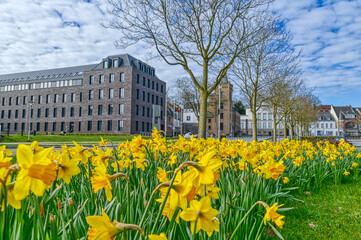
column 105, row 64
column 115, row 63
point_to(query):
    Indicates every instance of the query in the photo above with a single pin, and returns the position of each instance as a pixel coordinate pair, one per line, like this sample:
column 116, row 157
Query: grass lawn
column 333, row 212
column 65, row 138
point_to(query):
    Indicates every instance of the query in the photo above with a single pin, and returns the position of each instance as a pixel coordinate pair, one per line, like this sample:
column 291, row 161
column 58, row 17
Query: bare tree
column 253, row 69
column 197, row 35
column 189, row 95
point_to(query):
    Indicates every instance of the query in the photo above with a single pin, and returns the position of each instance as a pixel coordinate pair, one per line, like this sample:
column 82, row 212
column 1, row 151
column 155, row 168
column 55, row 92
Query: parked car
column 338, row 139
column 188, row 135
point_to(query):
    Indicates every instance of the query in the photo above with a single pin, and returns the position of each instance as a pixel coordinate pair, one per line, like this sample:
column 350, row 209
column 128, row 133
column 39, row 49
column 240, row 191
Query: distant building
column 190, row 121
column 348, row 120
column 326, row 125
column 264, row 123
column 120, row 94
column 174, row 121
column 229, row 118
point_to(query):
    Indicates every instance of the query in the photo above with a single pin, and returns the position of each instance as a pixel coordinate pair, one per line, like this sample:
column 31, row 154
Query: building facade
column 348, row 120
column 229, row 123
column 190, row 121
column 325, row 125
column 264, row 123
column 121, row 94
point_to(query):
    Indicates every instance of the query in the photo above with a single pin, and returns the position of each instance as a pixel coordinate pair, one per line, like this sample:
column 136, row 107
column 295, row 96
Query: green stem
column 40, row 221
column 4, row 193
column 239, row 224
column 128, row 202
column 194, row 230
column 163, row 203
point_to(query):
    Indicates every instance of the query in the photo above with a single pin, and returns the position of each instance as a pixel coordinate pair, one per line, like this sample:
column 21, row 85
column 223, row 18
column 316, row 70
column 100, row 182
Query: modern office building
column 121, row 94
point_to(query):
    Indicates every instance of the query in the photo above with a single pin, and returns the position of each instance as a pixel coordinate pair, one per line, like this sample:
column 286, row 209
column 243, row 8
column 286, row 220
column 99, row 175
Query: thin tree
column 189, row 95
column 252, row 70
column 196, row 35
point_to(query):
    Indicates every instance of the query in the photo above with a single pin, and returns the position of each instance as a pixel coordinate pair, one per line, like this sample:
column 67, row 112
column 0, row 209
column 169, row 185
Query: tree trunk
column 298, row 132
column 254, row 129
column 203, row 116
column 274, row 128
column 285, row 127
column 291, row 130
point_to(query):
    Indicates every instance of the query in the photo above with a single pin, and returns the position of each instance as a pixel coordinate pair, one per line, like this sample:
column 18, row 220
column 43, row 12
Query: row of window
column 149, row 97
column 63, row 126
column 264, row 116
column 40, row 85
column 326, row 125
column 39, row 111
column 150, row 84
column 101, row 78
column 263, row 125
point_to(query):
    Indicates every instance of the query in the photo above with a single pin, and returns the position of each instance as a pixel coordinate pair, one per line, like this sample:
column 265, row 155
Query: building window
column 81, row 97
column 111, row 93
column 9, row 113
column 209, row 128
column 115, row 63
column 156, row 100
column 46, row 112
column 326, row 125
column 110, row 109
column 23, row 113
column 121, row 109
column 136, row 126
column 100, row 109
column 72, row 97
column 17, row 101
column 157, row 87
column 62, row 127
column 39, row 99
column 46, row 127
column 111, row 78
column 148, row 83
column 91, row 80
column 143, row 111
column 153, row 85
column 89, row 125
column 55, row 112
column 121, row 92
column 63, row 112
column 221, row 115
column 24, row 100
column 3, row 101
column 269, row 125
column 136, row 110
column 101, row 93
column 80, row 110
column 161, row 102
column 54, row 126
column 147, row 126
column 101, row 79
column 99, row 126
column 120, row 125
column 137, row 93
column 264, row 126
column 148, row 97
column 161, row 88
column 38, row 115
column 31, row 113
column 143, row 96
column 47, row 99
column 79, row 126
column 9, row 101
column 330, row 125
column 269, row 116
column 90, row 110
column 72, row 112
column 189, row 118
column 221, row 126
column 138, row 78
column 264, row 116
column 38, row 127
column 110, row 125
column 143, row 81
column 148, row 112
column 91, row 94
column 2, row 114
column 152, row 99
column 56, row 96
column 121, row 77
column 143, row 127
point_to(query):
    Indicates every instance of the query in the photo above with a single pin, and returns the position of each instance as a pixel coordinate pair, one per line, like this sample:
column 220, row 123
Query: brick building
column 229, row 117
column 121, row 94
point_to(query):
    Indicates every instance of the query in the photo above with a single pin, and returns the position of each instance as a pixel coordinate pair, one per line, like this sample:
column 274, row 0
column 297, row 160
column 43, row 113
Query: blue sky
column 40, row 34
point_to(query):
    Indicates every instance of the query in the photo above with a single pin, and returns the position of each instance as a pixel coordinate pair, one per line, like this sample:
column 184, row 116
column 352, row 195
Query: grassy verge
column 333, row 212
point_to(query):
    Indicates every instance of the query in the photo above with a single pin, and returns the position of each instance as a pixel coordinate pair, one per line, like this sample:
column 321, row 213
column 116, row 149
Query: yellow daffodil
column 161, row 236
column 172, row 160
column 67, row 167
column 272, row 214
column 285, row 180
column 79, row 152
column 102, row 142
column 346, row 173
column 202, row 213
column 102, row 180
column 36, row 171
column 101, row 227
column 162, row 175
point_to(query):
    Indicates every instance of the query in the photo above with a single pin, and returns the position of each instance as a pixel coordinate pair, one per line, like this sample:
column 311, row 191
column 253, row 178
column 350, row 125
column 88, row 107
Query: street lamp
column 31, row 106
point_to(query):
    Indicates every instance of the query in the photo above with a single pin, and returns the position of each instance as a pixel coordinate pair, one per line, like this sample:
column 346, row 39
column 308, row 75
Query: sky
column 43, row 34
